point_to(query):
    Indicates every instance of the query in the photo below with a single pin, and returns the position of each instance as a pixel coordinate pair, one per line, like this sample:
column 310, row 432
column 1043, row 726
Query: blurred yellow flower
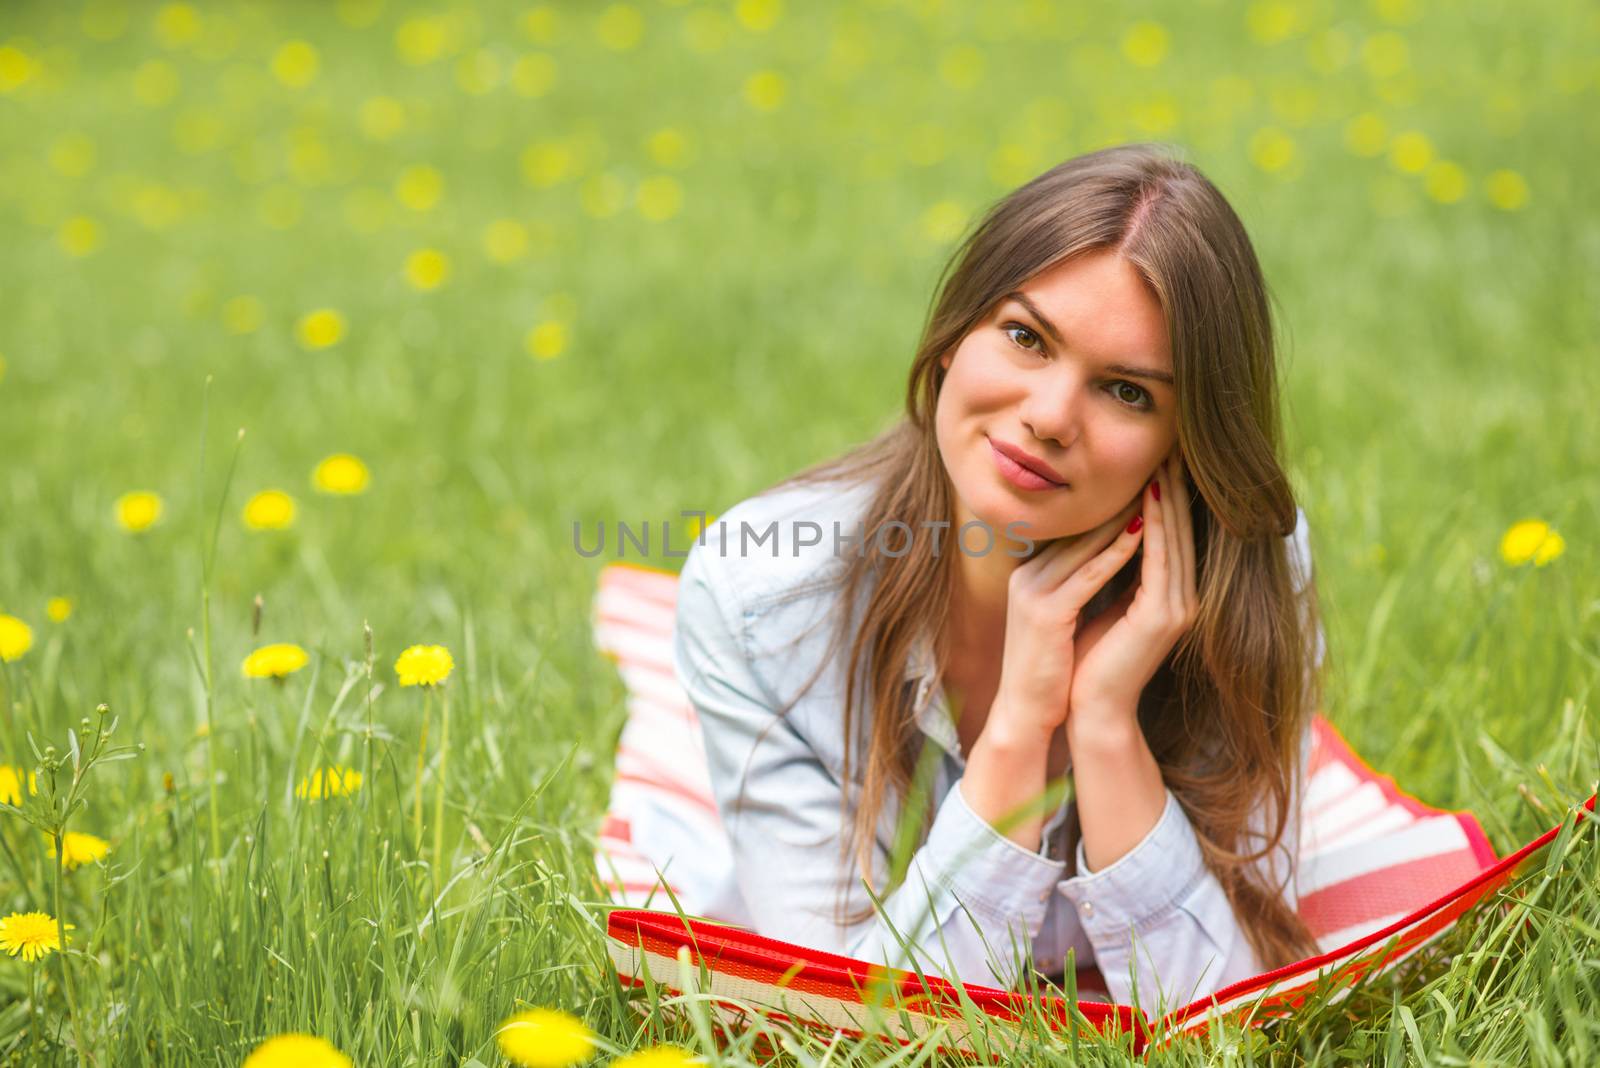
column 419, row 187
column 533, row 75
column 1366, row 134
column 545, row 1038
column 658, row 1057
column 1271, row 149
column 1385, row 54
column 659, row 198
column 332, row 781
column 1411, row 151
column 383, row 118
column 321, row 328
column 765, row 90
column 619, row 27
column 138, row 510
column 943, row 221
column 1506, row 190
column 1445, row 182
column 340, row 473
column 478, row 73
column 242, row 314
column 547, row 340
column 58, row 609
column 177, row 24
column 79, row 236
column 1145, row 43
column 427, row 268
column 155, row 82
column 295, row 64
column 33, row 934
column 72, row 155
column 274, row 661
column 541, row 23
column 17, row 68
column 1271, row 21
column 421, row 40
column 271, row 509
column 961, row 67
column 424, row 665
column 11, row 784
column 544, row 163
column 295, row 1050
column 77, row 849
column 16, row 638
column 505, row 240
column 1531, row 539
column 758, row 15
column 668, row 147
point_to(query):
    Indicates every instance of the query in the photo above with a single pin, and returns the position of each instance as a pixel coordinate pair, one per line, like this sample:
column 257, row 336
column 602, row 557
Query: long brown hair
column 1225, row 713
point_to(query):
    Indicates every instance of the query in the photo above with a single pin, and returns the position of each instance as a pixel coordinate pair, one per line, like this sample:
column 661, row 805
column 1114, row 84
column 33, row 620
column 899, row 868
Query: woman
column 1079, row 553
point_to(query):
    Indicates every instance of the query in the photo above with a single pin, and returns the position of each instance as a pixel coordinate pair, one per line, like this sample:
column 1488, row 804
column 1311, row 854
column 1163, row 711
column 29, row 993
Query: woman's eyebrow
column 1115, row 368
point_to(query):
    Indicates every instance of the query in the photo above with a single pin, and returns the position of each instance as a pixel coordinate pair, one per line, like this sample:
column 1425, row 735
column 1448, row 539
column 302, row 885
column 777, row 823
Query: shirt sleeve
column 972, row 900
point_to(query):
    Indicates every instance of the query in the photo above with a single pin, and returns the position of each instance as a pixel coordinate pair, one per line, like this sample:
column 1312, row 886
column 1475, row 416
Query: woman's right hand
column 1043, row 603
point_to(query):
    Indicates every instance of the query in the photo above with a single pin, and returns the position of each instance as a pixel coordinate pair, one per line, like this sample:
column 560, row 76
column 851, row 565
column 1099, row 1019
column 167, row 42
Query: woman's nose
column 1052, row 409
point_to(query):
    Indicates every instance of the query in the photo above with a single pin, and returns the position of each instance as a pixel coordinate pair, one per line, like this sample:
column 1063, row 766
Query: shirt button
column 1087, row 908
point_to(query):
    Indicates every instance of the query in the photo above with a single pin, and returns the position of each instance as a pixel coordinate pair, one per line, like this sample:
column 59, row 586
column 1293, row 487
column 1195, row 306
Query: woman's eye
column 1139, row 398
column 1010, row 327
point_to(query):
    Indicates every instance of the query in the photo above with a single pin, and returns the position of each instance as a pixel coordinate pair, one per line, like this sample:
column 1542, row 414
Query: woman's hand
column 1043, row 602
column 1119, row 651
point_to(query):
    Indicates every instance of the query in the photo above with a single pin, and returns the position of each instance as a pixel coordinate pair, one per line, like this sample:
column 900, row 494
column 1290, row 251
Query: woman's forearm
column 1006, row 771
column 1119, row 789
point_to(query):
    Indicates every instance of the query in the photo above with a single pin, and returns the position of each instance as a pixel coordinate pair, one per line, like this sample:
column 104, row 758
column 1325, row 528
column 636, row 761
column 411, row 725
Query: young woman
column 1077, row 554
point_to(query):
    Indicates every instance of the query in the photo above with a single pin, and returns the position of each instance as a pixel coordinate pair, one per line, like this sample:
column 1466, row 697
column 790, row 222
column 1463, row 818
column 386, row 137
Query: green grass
column 1441, row 376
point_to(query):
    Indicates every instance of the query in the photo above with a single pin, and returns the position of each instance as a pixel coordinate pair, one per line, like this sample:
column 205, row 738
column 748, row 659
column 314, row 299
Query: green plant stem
column 422, row 751
column 61, row 936
column 438, row 789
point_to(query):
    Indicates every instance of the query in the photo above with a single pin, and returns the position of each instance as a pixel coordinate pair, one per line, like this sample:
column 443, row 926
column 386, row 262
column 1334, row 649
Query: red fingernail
column 1137, row 522
column 1155, row 487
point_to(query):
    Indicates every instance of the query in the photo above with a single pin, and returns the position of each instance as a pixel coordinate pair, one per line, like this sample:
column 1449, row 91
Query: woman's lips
column 1021, row 470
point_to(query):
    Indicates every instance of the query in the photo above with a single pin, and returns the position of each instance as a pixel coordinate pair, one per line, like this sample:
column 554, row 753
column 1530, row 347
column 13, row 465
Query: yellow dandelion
column 419, row 187
column 383, row 118
column 427, row 268
column 1411, row 151
column 658, row 1057
column 58, row 609
column 1506, row 190
column 295, row 1050
column 271, row 509
column 1271, row 149
column 72, row 155
column 1145, row 44
column 11, row 784
column 1531, row 539
column 424, row 665
column 341, row 474
column 659, row 198
column 547, row 340
column 545, row 1038
column 16, row 638
column 1445, row 182
column 668, row 147
column 320, row 328
column 943, row 221
column 619, row 27
column 295, row 64
column 331, row 781
column 33, row 934
column 758, row 15
column 79, row 236
column 77, row 849
column 138, row 510
column 765, row 90
column 533, row 74
column 505, row 240
column 274, row 661
column 242, row 314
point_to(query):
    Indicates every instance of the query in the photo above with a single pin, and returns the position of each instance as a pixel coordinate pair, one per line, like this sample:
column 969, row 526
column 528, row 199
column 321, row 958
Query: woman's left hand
column 1118, row 652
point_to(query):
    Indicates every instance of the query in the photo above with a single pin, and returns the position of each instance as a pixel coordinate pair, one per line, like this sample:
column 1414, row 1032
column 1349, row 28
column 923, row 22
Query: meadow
column 517, row 266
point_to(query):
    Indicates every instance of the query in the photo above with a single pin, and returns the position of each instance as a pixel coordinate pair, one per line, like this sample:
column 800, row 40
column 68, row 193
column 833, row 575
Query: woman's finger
column 1073, row 556
column 1157, row 564
column 1075, row 591
column 1186, row 539
column 1169, row 514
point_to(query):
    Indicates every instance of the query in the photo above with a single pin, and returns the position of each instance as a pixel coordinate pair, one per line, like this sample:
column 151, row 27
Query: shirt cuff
column 986, row 870
column 1050, row 836
column 1142, row 884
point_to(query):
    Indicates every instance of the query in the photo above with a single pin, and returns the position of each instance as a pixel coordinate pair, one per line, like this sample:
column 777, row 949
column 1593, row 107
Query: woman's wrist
column 1005, row 772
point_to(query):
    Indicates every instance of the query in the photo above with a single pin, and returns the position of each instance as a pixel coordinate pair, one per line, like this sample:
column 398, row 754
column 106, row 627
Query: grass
column 723, row 283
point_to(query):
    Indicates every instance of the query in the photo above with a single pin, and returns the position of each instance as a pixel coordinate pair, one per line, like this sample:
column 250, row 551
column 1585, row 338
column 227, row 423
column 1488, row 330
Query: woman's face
column 1058, row 407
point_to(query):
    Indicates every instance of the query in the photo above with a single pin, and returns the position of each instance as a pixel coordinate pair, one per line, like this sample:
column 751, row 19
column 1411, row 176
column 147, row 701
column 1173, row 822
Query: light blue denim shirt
column 756, row 613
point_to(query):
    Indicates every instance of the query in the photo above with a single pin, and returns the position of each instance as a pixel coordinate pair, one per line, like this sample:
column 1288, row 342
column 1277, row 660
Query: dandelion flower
column 11, row 784
column 33, row 934
column 332, row 781
column 658, row 1057
column 1531, row 539
column 274, row 661
column 138, row 510
column 340, row 473
column 58, row 609
column 424, row 665
column 16, row 638
column 427, row 268
column 321, row 328
column 545, row 1038
column 269, row 510
column 78, row 849
column 295, row 1050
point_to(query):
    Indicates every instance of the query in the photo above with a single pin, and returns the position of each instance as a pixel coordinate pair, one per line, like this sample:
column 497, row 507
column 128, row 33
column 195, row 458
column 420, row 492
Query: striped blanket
column 1381, row 873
